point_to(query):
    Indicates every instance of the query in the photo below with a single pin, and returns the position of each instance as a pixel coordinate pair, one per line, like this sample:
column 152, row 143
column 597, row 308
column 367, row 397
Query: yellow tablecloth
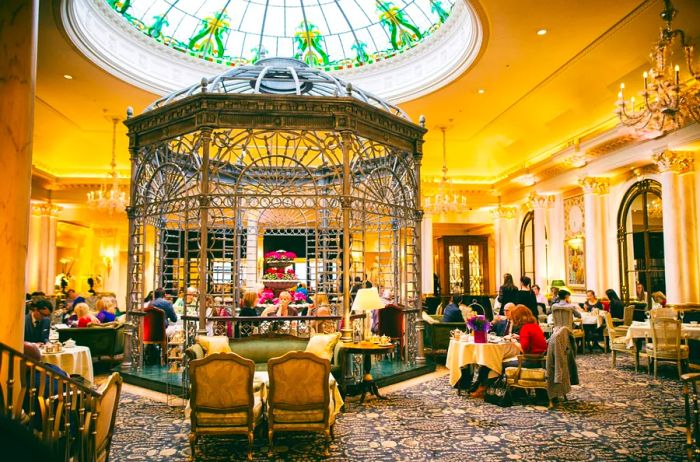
column 490, row 355
column 75, row 360
column 642, row 329
column 262, row 377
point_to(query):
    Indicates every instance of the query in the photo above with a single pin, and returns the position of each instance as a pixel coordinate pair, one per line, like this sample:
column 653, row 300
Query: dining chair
column 392, row 324
column 564, row 317
column 153, row 330
column 222, row 398
column 666, row 343
column 618, row 343
column 692, row 416
column 663, row 313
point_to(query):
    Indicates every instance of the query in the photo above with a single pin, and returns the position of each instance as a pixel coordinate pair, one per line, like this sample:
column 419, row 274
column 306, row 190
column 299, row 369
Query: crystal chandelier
column 110, row 197
column 445, row 200
column 668, row 101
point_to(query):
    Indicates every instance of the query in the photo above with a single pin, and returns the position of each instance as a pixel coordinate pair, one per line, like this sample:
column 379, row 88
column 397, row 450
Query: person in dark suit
column 452, row 312
column 37, row 323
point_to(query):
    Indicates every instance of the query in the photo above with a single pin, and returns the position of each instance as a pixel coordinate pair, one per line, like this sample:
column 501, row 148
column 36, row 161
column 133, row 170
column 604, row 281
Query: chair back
column 628, row 315
column 299, row 382
column 563, row 317
column 609, row 327
column 665, row 334
column 221, row 383
column 391, row 320
column 106, row 410
column 153, row 325
column 663, row 313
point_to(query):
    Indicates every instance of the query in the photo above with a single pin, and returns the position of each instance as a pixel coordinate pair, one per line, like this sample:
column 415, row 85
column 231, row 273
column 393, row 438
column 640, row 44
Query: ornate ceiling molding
column 593, row 185
column 674, row 161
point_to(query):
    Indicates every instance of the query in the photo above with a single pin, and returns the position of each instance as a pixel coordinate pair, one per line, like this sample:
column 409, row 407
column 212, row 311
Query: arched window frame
column 529, row 219
column 641, row 188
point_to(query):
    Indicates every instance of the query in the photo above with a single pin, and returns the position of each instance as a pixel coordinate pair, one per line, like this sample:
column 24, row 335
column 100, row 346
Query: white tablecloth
column 262, row 377
column 75, row 360
column 491, row 355
column 641, row 329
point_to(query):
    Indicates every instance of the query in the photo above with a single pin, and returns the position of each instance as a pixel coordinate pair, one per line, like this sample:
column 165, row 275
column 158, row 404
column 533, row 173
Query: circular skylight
column 398, row 49
column 326, row 34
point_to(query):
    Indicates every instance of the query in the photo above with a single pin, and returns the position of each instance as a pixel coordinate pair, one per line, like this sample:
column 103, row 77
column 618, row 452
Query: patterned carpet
column 615, row 415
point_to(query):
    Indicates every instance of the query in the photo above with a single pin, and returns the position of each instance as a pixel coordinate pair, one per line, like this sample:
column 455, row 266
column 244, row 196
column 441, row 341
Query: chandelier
column 668, row 101
column 445, row 200
column 109, row 197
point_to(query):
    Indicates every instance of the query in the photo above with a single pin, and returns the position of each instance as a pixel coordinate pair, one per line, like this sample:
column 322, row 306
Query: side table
column 367, row 349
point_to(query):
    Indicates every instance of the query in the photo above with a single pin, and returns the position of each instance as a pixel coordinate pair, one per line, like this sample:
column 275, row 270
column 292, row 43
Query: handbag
column 497, row 392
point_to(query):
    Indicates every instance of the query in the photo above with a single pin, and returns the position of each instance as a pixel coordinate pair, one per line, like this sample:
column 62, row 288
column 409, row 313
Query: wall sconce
column 107, row 260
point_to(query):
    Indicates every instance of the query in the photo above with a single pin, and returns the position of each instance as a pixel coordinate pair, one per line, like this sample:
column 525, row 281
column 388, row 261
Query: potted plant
column 480, row 326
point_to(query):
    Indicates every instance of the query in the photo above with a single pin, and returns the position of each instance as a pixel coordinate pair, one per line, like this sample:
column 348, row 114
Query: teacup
column 694, row 322
column 70, row 343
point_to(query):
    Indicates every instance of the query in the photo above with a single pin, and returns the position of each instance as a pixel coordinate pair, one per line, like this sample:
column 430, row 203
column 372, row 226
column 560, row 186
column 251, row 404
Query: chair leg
column 613, row 358
column 193, row 444
column 270, row 435
column 327, row 446
column 250, row 445
column 333, row 431
column 680, row 369
column 656, row 363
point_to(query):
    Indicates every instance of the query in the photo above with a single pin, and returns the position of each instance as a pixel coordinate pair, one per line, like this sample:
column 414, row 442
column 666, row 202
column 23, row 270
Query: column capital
column 674, row 161
column 46, row 209
column 503, row 213
column 538, row 201
column 594, row 185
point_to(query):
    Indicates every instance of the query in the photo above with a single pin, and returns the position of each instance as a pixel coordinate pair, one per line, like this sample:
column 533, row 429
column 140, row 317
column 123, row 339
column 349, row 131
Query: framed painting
column 575, row 264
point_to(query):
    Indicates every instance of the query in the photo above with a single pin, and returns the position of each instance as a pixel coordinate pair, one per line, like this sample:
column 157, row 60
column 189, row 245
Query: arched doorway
column 527, row 246
column 640, row 242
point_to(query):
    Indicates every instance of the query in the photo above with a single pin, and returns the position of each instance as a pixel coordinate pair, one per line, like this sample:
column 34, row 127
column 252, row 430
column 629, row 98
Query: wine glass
column 681, row 315
column 647, row 314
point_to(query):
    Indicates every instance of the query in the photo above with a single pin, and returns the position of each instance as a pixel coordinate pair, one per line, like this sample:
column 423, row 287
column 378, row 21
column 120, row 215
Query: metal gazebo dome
column 279, row 76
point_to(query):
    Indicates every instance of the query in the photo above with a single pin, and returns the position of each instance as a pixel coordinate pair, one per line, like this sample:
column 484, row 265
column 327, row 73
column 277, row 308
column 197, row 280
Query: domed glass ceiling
column 327, row 34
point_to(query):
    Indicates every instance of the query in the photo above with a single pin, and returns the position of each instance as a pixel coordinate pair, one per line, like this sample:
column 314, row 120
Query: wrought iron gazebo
column 276, row 148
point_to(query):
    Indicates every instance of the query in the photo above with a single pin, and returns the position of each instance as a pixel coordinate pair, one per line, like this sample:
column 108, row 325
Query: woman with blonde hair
column 282, row 308
column 85, row 319
column 106, row 309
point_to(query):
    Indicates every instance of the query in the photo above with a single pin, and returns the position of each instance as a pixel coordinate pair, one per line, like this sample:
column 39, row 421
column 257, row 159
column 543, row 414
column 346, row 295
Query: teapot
column 384, row 340
column 456, row 334
column 53, row 347
column 70, row 343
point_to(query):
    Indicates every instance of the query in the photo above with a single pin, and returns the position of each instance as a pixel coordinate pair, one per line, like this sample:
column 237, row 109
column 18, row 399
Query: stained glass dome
column 326, row 34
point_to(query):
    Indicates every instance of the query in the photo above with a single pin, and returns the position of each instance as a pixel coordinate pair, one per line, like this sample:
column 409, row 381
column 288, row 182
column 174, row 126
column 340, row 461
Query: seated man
column 37, row 323
column 452, row 312
column 503, row 325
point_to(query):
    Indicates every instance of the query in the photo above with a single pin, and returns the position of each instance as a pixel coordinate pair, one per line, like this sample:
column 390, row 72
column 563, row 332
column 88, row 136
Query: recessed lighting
column 542, row 32
column 481, row 91
column 67, row 76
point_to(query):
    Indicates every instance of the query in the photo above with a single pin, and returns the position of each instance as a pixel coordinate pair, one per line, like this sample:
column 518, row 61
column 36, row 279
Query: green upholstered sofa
column 436, row 337
column 102, row 341
column 260, row 348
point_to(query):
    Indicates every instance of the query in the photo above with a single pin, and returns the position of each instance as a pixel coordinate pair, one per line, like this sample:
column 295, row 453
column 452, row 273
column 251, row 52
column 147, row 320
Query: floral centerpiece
column 267, row 297
column 276, row 274
column 480, row 326
column 279, row 255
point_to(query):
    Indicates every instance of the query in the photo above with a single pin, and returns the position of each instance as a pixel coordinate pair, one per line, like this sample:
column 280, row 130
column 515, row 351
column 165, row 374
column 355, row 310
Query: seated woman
column 282, row 308
column 617, row 309
column 319, row 300
column 85, row 319
column 106, row 310
column 659, row 299
column 593, row 332
column 248, row 302
column 532, row 342
column 565, row 302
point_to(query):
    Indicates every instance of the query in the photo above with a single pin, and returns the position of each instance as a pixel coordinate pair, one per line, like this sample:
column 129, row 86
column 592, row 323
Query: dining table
column 465, row 351
column 642, row 329
column 75, row 360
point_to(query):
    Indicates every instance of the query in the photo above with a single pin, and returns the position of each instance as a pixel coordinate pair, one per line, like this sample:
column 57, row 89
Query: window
column 640, row 241
column 527, row 246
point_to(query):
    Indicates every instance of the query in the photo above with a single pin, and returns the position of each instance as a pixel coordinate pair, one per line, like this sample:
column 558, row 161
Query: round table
column 367, row 349
column 75, row 360
column 491, row 355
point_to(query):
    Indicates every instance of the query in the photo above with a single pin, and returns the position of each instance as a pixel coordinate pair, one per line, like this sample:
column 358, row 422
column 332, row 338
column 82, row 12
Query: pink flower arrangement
column 280, row 255
column 274, row 274
column 266, row 296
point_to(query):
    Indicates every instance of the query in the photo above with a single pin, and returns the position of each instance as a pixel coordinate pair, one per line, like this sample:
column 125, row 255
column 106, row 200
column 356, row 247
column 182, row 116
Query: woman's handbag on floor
column 465, row 382
column 497, row 392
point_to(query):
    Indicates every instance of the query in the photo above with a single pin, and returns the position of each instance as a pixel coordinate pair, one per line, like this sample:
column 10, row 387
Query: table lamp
column 367, row 300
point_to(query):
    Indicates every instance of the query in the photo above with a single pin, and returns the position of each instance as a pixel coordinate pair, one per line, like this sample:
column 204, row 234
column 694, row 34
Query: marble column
column 18, row 36
column 503, row 220
column 555, row 237
column 594, row 232
column 678, row 221
column 540, row 205
column 427, row 268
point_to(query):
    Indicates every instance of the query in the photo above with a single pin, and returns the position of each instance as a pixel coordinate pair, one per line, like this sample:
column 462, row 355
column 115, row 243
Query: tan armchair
column 222, row 398
column 104, row 414
column 528, row 378
column 618, row 343
column 564, row 317
column 299, row 397
column 667, row 343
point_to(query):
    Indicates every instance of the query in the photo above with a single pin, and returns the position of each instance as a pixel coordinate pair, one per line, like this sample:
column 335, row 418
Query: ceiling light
column 445, row 199
column 67, row 76
column 110, row 197
column 542, row 32
column 481, row 91
column 527, row 179
column 668, row 102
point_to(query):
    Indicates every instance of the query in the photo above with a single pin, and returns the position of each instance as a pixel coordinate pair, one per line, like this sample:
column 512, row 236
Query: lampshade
column 367, row 299
column 557, row 283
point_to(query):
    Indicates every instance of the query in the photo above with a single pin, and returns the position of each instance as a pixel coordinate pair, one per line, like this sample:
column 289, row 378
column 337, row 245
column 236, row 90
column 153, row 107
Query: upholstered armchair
column 153, row 330
column 106, row 410
column 299, row 397
column 222, row 398
column 528, row 378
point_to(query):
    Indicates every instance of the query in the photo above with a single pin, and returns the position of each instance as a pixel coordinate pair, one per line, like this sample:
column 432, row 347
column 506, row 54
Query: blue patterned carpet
column 615, row 415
